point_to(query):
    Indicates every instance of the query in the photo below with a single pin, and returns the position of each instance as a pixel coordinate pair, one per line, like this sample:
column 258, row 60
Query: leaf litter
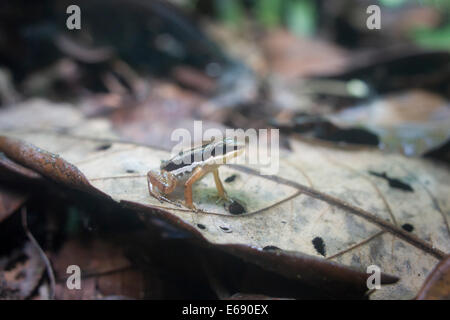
column 318, row 209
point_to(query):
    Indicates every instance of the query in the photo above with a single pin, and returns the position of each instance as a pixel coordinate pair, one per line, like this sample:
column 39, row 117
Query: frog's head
column 223, row 151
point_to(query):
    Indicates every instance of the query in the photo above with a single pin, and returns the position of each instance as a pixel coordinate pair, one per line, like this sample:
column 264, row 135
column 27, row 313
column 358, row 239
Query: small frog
column 191, row 165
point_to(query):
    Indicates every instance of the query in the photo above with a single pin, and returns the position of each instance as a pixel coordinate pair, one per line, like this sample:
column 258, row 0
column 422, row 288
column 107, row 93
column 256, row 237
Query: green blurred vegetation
column 301, row 17
column 433, row 38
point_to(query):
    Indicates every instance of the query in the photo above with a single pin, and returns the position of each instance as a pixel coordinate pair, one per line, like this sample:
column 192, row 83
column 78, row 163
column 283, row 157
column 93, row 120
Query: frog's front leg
column 197, row 174
column 161, row 183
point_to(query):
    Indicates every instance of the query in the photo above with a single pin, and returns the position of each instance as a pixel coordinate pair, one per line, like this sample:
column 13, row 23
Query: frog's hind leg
column 220, row 189
column 160, row 184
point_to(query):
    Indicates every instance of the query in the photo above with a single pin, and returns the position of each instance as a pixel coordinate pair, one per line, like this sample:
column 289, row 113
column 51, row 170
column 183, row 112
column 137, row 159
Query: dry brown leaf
column 105, row 271
column 326, row 208
column 291, row 56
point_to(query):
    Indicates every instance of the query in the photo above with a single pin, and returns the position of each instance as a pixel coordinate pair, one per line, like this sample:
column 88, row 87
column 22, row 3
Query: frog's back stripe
column 203, row 154
column 181, row 161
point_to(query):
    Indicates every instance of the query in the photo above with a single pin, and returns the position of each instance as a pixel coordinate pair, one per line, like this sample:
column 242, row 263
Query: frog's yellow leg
column 197, row 174
column 219, row 185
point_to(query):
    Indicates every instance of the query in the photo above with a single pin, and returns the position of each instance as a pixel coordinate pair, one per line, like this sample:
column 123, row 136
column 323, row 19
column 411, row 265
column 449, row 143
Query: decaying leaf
column 411, row 122
column 11, row 171
column 437, row 285
column 292, row 56
column 10, row 201
column 105, row 271
column 21, row 272
column 325, row 211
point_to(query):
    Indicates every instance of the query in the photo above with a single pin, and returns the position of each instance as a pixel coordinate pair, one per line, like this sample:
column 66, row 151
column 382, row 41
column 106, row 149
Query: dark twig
column 50, row 273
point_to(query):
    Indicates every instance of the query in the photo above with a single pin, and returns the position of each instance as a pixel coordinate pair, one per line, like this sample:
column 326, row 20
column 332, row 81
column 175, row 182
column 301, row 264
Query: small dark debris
column 103, row 147
column 131, row 171
column 319, row 245
column 201, row 226
column 62, row 130
column 329, row 132
column 236, row 208
column 270, row 248
column 408, row 227
column 21, row 275
column 393, row 183
column 225, row 229
column 14, row 262
column 231, row 178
